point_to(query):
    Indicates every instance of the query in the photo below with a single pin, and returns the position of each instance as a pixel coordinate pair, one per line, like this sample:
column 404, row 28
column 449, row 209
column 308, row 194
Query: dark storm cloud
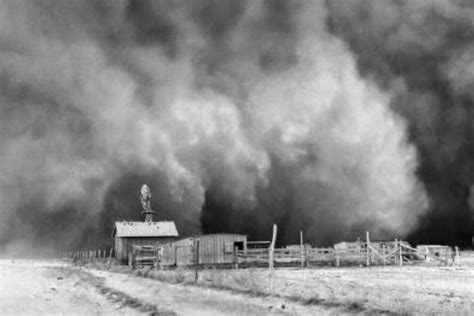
column 421, row 50
column 238, row 114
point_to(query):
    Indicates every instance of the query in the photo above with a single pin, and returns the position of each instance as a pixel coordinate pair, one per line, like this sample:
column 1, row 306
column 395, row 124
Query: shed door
column 239, row 245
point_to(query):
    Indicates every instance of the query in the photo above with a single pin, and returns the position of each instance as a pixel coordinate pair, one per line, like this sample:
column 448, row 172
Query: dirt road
column 53, row 288
column 44, row 288
column 192, row 300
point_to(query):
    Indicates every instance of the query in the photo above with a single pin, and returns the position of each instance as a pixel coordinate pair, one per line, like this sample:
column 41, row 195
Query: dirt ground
column 40, row 287
column 398, row 290
column 45, row 288
column 196, row 300
column 53, row 288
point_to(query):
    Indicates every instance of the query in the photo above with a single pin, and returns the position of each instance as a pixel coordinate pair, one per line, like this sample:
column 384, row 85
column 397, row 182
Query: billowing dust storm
column 238, row 114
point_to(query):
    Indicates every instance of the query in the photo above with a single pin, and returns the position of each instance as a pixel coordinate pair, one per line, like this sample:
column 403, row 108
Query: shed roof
column 221, row 234
column 145, row 229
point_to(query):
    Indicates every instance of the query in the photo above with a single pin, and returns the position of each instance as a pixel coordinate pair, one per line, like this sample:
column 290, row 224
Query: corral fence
column 369, row 254
column 362, row 253
column 83, row 256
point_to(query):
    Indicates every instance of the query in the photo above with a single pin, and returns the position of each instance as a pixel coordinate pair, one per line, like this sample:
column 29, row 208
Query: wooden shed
column 219, row 248
column 213, row 249
column 129, row 234
column 348, row 246
column 439, row 251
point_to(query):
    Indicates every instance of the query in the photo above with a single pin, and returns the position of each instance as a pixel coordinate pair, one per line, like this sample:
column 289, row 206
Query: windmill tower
column 145, row 198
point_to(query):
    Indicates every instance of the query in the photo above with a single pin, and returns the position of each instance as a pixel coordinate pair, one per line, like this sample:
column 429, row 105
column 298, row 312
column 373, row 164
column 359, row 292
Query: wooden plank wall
column 213, row 249
column 124, row 245
column 219, row 248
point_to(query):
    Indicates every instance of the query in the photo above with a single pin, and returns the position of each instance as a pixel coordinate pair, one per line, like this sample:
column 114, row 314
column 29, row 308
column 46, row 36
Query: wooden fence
column 366, row 253
column 398, row 254
column 86, row 255
column 166, row 257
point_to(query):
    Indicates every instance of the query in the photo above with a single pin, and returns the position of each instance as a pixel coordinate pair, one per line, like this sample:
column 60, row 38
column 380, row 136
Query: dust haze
column 238, row 114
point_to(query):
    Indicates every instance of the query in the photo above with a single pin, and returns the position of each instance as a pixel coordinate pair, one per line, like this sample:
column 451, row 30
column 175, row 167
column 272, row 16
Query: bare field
column 29, row 287
column 406, row 290
column 32, row 287
column 378, row 290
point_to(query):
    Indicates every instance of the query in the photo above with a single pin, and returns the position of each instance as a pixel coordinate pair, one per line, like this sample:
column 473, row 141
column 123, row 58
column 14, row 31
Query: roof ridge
column 145, row 229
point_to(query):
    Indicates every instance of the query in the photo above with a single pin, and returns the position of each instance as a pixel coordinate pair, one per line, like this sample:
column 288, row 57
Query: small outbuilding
column 349, row 246
column 214, row 249
column 129, row 234
column 437, row 251
column 147, row 233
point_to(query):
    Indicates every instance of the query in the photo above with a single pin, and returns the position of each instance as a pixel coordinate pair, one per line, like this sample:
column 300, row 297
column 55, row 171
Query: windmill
column 145, row 198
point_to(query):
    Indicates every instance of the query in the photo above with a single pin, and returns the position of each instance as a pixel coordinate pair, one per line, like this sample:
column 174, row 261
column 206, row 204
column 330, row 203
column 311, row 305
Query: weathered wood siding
column 124, row 245
column 118, row 248
column 179, row 253
column 219, row 248
column 213, row 249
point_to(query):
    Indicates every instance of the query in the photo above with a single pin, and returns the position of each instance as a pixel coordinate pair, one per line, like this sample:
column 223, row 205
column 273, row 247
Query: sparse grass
column 344, row 289
column 114, row 295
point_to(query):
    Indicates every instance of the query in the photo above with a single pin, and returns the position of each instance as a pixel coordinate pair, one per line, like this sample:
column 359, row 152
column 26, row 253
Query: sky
column 331, row 117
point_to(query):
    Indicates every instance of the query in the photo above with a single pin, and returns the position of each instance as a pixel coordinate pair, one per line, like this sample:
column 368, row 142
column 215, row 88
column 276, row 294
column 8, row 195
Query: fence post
column 236, row 257
column 383, row 253
column 272, row 248
column 337, row 258
column 307, row 257
column 368, row 248
column 196, row 260
column 396, row 248
column 301, row 249
column 161, row 258
column 400, row 253
column 458, row 261
column 109, row 262
column 176, row 255
column 270, row 257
